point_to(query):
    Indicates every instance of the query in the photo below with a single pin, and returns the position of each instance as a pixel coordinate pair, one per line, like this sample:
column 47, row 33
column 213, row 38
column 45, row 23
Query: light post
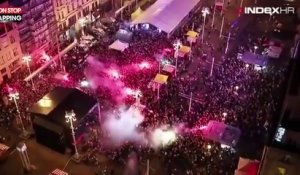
column 255, row 48
column 190, row 54
column 136, row 4
column 14, row 96
column 148, row 167
column 212, row 66
column 227, row 43
column 121, row 9
column 205, row 12
column 70, row 118
column 159, row 66
column 190, row 102
column 27, row 59
column 241, row 5
column 222, row 25
column 177, row 46
column 213, row 18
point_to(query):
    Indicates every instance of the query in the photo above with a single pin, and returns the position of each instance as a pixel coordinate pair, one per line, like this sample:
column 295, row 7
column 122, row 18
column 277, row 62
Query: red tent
column 247, row 167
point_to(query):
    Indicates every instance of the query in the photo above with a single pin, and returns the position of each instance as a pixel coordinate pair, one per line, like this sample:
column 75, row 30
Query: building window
column 15, row 51
column 3, row 71
column 2, row 29
column 15, row 63
column 12, row 39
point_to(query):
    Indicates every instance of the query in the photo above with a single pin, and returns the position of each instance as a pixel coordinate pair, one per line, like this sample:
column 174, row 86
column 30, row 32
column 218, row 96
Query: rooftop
column 281, row 162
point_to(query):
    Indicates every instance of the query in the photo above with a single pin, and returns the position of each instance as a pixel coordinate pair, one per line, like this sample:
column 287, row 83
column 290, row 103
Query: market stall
column 136, row 13
column 118, row 45
column 192, row 36
column 58, row 172
column 3, row 151
column 158, row 81
column 169, row 69
column 184, row 50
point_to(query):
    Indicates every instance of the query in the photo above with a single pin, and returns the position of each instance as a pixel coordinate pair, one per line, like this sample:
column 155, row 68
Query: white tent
column 118, row 45
column 167, row 14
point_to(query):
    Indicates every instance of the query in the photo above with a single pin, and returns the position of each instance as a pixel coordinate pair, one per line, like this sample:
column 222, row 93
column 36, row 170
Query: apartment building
column 38, row 28
column 10, row 50
column 73, row 15
column 282, row 153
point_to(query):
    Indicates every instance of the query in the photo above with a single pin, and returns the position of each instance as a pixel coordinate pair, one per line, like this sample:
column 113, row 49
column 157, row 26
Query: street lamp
column 205, row 12
column 27, row 59
column 241, row 6
column 214, row 12
column 14, row 96
column 176, row 46
column 70, row 118
column 255, row 48
column 212, row 66
column 208, row 147
column 227, row 43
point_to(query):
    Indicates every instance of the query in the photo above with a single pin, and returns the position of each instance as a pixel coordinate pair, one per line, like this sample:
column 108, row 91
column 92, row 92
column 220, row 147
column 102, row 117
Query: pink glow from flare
column 66, row 77
column 144, row 65
column 114, row 74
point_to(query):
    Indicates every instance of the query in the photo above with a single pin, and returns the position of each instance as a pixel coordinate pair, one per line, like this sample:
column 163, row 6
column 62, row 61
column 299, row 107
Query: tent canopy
column 247, row 167
column 124, row 35
column 167, row 14
column 185, row 49
column 254, row 59
column 136, row 13
column 160, row 78
column 58, row 172
column 118, row 45
column 169, row 68
column 222, row 133
column 192, row 34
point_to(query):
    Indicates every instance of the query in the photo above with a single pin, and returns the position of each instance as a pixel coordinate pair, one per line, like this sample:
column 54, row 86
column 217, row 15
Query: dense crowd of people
column 246, row 95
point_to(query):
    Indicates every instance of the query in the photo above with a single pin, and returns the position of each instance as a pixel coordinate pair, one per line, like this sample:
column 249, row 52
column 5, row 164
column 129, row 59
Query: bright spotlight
column 144, row 65
column 66, row 77
column 224, row 146
column 84, row 83
column 208, row 147
column 114, row 74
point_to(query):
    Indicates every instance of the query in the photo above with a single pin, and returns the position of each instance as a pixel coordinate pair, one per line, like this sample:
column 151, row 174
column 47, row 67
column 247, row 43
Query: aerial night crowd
column 235, row 94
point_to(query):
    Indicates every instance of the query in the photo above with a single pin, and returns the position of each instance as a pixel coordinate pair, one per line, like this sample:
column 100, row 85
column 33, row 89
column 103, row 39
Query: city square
column 150, row 87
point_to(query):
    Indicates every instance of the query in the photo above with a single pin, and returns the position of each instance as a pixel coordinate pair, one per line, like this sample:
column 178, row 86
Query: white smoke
column 122, row 126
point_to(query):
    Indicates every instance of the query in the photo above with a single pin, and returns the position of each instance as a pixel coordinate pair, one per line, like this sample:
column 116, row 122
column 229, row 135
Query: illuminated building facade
column 10, row 50
column 38, row 28
column 73, row 15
